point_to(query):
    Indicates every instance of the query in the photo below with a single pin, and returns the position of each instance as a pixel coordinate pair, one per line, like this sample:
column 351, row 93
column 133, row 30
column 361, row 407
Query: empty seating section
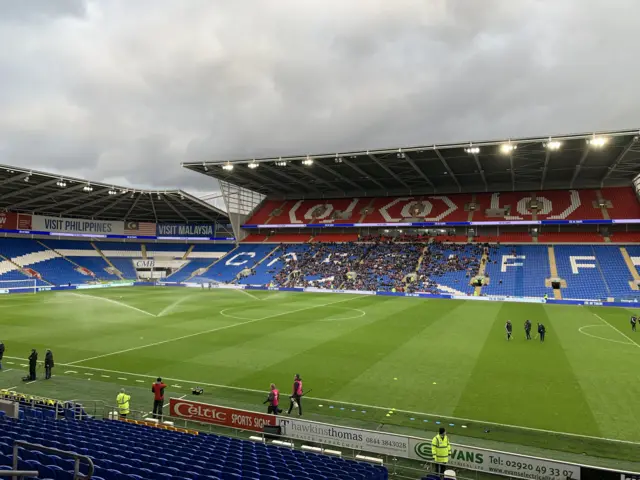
column 335, row 237
column 265, row 212
column 124, row 450
column 255, row 238
column 166, row 250
column 618, row 276
column 428, row 208
column 83, row 254
column 318, row 211
column 518, row 271
column 190, row 269
column 579, row 266
column 623, row 201
column 551, row 205
column 625, row 237
column 289, row 238
column 570, row 237
column 247, row 255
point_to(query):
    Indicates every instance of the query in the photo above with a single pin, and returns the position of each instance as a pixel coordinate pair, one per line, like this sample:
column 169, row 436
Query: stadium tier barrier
column 399, row 453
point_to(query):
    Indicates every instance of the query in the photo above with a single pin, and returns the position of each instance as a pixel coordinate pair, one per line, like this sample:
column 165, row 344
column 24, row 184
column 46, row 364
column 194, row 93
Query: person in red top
column 296, row 396
column 158, row 397
column 274, row 400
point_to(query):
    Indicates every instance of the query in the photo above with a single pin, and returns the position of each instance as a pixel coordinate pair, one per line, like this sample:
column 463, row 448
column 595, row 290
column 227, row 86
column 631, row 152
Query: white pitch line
column 217, row 329
column 248, row 293
column 600, row 338
column 105, row 299
column 174, row 305
column 5, row 371
column 121, row 378
column 10, row 388
column 625, row 336
column 376, row 407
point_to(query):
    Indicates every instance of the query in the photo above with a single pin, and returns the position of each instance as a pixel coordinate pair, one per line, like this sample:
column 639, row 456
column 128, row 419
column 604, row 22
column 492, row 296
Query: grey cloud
column 128, row 90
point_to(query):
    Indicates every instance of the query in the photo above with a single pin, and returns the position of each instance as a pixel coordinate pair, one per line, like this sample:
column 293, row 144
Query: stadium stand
column 153, row 453
column 551, row 205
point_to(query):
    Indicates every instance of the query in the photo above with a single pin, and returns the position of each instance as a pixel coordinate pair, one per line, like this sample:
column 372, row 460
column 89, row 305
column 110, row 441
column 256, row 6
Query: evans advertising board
column 498, row 463
column 229, row 417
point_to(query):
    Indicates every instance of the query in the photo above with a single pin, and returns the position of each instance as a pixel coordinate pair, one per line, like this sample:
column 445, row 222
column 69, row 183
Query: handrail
column 19, row 473
column 77, row 457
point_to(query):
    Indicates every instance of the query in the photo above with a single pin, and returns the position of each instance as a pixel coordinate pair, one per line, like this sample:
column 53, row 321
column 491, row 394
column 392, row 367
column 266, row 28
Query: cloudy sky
column 123, row 91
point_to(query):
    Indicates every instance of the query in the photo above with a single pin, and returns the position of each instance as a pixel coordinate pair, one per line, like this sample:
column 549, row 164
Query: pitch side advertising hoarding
column 498, row 463
column 352, row 438
column 214, row 414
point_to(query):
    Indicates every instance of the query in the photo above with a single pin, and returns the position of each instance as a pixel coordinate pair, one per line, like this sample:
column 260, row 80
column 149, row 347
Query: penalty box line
column 212, row 330
column 353, row 404
column 625, row 336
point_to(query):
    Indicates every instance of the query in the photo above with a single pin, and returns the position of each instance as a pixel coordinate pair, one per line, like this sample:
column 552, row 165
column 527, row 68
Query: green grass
column 433, row 360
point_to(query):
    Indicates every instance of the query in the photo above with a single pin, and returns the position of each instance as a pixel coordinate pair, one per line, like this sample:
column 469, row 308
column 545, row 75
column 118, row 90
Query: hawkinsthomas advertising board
column 217, row 415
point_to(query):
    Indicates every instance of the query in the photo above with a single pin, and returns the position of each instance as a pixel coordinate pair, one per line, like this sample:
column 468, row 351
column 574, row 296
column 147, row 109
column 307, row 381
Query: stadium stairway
column 123, row 450
column 117, row 272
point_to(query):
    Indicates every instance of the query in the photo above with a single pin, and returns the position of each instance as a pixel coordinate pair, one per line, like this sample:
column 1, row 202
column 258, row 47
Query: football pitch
column 397, row 364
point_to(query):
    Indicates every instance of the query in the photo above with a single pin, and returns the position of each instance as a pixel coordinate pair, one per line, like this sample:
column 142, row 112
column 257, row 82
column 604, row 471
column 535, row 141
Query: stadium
column 383, row 278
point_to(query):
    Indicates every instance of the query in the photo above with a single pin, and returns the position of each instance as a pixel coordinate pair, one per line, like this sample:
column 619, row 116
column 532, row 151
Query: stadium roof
column 589, row 160
column 30, row 191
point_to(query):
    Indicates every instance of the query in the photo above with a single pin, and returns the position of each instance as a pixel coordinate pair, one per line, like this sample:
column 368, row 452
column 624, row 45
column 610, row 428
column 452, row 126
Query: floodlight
column 598, row 142
column 472, row 150
column 61, row 183
column 553, row 145
column 507, row 148
column 253, row 165
column 26, row 179
column 307, row 161
column 281, row 163
column 227, row 167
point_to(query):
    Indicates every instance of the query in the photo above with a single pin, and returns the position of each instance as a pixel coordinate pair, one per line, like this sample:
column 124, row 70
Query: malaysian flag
column 140, row 228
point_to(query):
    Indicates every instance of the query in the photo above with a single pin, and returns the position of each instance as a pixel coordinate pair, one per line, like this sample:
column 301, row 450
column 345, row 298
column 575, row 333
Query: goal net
column 18, row 286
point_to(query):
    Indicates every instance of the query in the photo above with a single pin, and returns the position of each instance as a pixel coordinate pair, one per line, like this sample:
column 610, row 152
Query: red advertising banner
column 8, row 220
column 24, row 222
column 229, row 417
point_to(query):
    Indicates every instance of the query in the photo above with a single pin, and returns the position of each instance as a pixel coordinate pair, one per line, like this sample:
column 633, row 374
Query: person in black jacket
column 1, row 353
column 33, row 360
column 48, row 364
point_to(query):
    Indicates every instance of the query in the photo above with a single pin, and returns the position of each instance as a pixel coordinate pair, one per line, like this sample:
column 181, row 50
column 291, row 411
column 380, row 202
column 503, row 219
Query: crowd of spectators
column 379, row 264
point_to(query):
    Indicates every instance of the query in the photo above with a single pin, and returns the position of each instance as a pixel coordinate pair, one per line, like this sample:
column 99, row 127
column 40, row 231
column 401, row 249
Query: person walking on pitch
column 634, row 321
column 509, row 328
column 527, row 329
column 274, row 400
column 541, row 331
column 296, row 395
column 1, row 353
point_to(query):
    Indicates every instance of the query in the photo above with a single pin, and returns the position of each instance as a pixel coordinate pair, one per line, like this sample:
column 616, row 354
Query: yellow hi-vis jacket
column 440, row 449
column 123, row 403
